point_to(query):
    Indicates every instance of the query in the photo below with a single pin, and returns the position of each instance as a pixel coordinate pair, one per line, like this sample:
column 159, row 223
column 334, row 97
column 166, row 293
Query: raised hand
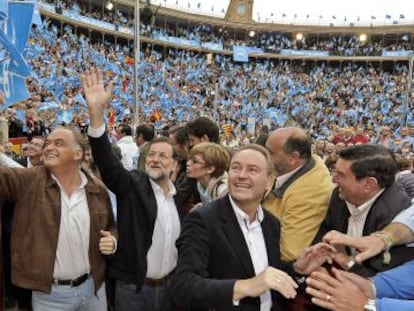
column 311, row 258
column 96, row 95
column 368, row 246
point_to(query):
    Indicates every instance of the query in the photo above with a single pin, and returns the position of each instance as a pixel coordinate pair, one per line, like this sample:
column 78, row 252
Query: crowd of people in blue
column 229, row 160
column 182, row 85
column 347, row 45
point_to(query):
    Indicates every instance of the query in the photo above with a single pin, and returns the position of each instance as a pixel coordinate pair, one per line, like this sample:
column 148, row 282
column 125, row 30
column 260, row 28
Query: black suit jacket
column 385, row 208
column 136, row 213
column 213, row 254
column 22, row 161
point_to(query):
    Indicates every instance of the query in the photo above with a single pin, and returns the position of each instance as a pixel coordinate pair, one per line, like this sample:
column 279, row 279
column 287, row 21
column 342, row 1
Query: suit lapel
column 235, row 236
column 271, row 236
column 151, row 205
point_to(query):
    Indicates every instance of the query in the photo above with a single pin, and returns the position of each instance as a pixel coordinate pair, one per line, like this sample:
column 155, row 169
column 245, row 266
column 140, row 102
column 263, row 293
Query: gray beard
column 155, row 176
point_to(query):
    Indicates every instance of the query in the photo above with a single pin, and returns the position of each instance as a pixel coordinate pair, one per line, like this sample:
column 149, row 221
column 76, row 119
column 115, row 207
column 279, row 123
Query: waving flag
column 15, row 22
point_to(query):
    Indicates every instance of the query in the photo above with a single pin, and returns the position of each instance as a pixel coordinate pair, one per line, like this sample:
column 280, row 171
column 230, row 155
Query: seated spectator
column 348, row 136
column 338, row 137
column 405, row 150
column 406, row 138
column 385, row 139
column 405, row 176
column 229, row 140
column 360, row 137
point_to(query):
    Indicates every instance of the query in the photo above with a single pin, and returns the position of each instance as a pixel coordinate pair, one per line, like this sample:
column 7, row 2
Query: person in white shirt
column 129, row 148
column 60, row 223
column 148, row 211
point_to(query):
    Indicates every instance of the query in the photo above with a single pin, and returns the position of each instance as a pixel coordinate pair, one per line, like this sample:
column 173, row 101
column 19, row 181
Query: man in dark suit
column 229, row 255
column 366, row 200
column 148, row 212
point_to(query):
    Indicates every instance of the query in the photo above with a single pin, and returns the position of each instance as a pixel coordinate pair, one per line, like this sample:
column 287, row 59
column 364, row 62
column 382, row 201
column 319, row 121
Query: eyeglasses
column 197, row 162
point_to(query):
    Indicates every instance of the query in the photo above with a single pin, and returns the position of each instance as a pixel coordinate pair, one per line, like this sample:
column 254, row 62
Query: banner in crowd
column 397, row 53
column 304, row 53
column 240, row 53
column 15, row 24
column 212, row 46
column 251, row 125
column 254, row 50
column 175, row 40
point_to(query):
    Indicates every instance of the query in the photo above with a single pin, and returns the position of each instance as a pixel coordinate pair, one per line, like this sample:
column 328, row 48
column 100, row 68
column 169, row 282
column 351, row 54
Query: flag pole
column 409, row 88
column 137, row 54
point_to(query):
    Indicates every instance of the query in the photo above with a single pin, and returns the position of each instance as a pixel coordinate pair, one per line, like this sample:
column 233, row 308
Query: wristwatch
column 370, row 305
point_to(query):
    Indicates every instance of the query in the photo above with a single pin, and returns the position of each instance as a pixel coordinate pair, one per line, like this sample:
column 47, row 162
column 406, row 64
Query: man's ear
column 371, row 184
column 78, row 155
column 205, row 139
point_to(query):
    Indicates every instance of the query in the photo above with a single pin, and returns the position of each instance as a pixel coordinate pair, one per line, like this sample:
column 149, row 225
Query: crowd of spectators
column 339, row 106
column 177, row 86
column 154, row 25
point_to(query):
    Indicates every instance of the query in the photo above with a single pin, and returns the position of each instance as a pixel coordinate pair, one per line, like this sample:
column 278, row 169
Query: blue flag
column 13, row 38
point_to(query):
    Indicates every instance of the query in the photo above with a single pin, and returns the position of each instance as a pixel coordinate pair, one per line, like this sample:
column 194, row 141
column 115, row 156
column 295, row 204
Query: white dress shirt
column 356, row 220
column 72, row 253
column 253, row 234
column 162, row 255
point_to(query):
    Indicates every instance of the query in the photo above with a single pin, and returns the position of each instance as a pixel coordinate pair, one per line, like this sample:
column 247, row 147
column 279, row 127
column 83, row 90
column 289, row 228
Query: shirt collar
column 83, row 183
column 353, row 209
column 157, row 188
column 242, row 217
column 280, row 180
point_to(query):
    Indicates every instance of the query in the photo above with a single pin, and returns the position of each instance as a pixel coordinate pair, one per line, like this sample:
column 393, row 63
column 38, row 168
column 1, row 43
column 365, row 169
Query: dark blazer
column 213, row 254
column 137, row 211
column 385, row 208
column 22, row 161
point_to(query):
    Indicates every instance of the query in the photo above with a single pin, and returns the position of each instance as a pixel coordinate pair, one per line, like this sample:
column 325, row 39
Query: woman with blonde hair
column 207, row 164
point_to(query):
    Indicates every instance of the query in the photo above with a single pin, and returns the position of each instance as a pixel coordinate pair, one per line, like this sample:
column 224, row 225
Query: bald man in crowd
column 300, row 196
column 301, row 191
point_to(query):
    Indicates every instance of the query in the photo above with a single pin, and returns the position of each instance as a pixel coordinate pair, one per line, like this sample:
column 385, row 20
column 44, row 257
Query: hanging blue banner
column 15, row 23
column 240, row 53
